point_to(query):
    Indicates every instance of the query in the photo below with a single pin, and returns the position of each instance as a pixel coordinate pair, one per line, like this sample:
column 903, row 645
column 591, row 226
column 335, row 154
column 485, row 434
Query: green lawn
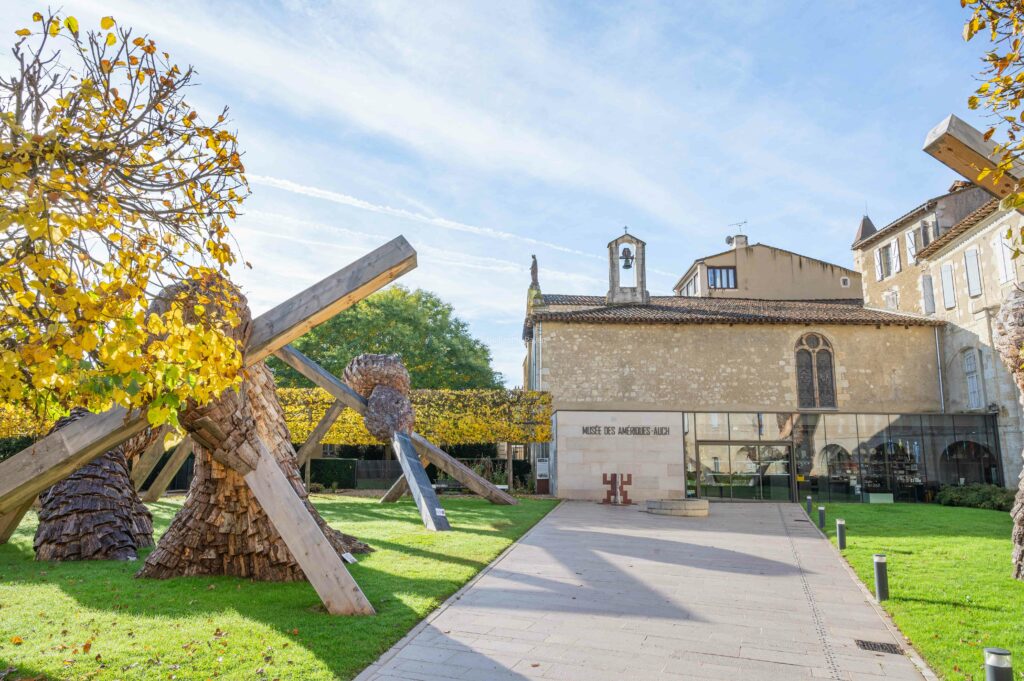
column 93, row 620
column 950, row 588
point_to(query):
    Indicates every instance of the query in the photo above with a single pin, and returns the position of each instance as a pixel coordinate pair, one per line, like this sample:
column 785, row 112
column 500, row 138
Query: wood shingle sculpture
column 95, row 513
column 243, row 436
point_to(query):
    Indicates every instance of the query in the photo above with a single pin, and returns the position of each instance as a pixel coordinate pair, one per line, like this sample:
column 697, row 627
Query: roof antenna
column 738, row 225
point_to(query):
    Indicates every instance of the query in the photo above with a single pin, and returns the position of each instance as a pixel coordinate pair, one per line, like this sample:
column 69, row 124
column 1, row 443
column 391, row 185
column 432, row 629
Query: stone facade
column 968, row 312
column 718, row 367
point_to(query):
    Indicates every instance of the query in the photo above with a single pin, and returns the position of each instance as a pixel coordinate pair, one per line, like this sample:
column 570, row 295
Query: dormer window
column 721, row 277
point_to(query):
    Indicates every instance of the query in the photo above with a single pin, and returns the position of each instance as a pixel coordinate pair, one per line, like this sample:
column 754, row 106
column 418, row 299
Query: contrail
column 443, row 223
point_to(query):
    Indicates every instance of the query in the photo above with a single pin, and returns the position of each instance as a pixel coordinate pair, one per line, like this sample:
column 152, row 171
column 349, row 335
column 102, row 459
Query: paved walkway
column 597, row 593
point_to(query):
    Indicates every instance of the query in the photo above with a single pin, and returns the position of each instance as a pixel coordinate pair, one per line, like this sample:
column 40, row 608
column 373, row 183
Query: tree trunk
column 93, row 514
column 222, row 529
column 1009, row 339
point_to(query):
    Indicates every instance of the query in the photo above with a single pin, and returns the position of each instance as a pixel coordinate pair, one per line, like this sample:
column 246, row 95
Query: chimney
column 739, row 241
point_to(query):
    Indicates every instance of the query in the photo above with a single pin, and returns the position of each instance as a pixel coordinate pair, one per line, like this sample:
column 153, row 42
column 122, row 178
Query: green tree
column 435, row 345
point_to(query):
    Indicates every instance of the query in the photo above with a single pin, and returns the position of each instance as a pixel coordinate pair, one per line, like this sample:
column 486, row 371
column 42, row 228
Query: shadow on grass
column 405, row 579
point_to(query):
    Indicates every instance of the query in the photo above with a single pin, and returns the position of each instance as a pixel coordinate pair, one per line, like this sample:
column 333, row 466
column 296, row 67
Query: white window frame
column 972, row 379
column 878, row 265
column 948, row 286
column 927, row 294
column 972, row 272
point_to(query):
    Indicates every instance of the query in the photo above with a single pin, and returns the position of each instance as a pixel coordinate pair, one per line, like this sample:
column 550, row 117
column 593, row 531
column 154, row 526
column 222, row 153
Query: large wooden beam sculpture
column 435, row 455
column 964, row 149
column 319, row 432
column 170, row 469
column 26, row 474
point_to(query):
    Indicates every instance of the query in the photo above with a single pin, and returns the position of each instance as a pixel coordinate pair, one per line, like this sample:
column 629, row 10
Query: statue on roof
column 534, row 283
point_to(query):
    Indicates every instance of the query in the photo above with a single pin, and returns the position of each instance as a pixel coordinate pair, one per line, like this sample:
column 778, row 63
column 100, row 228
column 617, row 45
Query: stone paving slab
column 597, row 593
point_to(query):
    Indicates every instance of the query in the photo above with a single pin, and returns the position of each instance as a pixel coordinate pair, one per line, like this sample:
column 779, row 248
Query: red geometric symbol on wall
column 617, row 495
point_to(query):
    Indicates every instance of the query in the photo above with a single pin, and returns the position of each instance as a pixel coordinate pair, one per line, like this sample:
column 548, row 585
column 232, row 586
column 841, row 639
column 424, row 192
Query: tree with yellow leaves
column 111, row 188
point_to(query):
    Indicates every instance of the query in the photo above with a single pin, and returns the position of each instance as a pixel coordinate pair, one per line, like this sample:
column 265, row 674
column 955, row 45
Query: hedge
column 340, row 473
column 992, row 497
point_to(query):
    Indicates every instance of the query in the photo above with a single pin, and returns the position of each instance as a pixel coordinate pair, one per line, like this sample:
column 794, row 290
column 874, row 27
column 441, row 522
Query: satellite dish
column 729, row 240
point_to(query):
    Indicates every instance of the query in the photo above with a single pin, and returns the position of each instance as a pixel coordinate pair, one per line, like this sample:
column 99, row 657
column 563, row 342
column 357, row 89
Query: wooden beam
column 396, row 492
column 353, row 400
column 49, row 460
column 461, row 472
column 431, row 511
column 327, row 298
column 328, row 419
column 167, row 473
column 147, row 461
column 319, row 561
column 963, row 148
column 9, row 521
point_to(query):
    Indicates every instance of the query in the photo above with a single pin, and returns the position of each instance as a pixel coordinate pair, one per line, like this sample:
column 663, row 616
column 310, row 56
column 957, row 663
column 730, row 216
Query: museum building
column 766, row 376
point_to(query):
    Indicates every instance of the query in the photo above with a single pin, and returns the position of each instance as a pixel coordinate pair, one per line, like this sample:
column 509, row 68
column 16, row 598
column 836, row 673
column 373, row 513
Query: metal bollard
column 841, row 533
column 821, row 518
column 998, row 665
column 881, row 578
column 808, row 507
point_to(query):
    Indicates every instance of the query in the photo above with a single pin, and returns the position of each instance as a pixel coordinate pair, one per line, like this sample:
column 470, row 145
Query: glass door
column 745, row 471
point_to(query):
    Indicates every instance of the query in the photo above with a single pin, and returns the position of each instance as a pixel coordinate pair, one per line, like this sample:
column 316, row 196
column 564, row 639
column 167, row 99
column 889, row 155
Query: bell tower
column 627, row 273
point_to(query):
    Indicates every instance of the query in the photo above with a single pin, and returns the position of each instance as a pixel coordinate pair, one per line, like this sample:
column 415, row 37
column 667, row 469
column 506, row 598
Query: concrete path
column 596, row 593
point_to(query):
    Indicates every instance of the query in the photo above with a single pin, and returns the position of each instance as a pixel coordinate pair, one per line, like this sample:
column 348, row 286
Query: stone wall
column 718, row 367
column 645, row 445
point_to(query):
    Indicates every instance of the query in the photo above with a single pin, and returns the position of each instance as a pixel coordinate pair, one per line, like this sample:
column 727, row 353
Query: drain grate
column 877, row 647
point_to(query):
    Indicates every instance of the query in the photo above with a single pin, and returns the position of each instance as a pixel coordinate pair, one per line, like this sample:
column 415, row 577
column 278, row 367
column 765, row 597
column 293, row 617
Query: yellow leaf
column 23, row 31
column 106, row 22
column 72, row 24
column 111, row 39
column 17, row 640
column 36, row 16
column 54, row 27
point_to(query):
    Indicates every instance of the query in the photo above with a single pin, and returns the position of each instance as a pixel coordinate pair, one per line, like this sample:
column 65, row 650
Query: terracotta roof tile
column 683, row 310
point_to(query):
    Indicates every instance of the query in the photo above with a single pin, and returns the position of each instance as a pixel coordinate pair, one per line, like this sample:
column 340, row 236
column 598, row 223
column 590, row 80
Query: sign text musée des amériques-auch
column 626, row 430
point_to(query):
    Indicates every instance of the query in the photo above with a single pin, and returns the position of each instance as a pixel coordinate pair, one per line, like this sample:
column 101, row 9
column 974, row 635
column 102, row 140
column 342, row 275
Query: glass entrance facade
column 837, row 457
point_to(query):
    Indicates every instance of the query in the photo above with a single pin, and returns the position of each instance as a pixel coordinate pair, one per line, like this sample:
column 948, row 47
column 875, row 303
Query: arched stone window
column 815, row 373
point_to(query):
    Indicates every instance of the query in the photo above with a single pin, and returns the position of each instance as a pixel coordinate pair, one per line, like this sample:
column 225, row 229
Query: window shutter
column 911, row 246
column 927, row 294
column 973, row 272
column 878, row 265
column 1006, row 264
column 948, row 292
column 894, row 250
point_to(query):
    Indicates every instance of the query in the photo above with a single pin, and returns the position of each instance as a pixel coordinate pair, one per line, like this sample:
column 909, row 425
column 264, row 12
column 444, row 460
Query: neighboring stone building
column 957, row 274
column 712, row 394
column 761, row 271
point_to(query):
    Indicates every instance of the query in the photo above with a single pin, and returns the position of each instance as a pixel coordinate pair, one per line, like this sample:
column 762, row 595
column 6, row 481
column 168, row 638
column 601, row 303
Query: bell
column 627, row 259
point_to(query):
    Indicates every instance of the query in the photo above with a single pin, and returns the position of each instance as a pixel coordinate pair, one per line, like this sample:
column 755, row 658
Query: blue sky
column 489, row 131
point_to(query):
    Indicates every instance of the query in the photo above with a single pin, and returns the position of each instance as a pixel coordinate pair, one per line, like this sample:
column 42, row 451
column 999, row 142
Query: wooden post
column 353, row 400
column 9, row 522
column 321, row 564
column 167, row 473
column 963, row 148
column 324, row 425
column 325, row 299
column 423, row 493
column 144, row 465
column 25, row 475
column 396, row 492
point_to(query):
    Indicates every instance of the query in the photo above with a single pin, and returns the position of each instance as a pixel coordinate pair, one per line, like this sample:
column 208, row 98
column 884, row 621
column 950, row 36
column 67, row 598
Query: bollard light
column 808, row 507
column 998, row 665
column 841, row 533
column 821, row 518
column 881, row 578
